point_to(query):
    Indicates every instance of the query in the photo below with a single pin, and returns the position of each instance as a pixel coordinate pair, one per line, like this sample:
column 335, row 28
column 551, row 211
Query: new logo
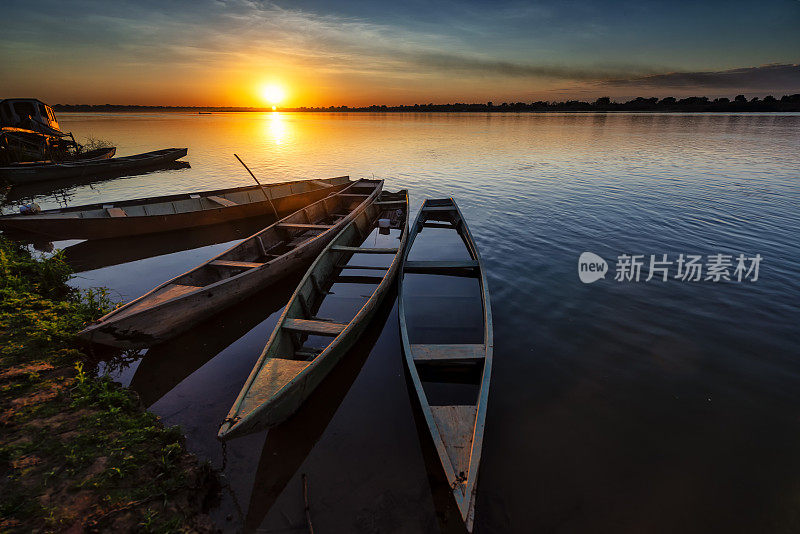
column 591, row 267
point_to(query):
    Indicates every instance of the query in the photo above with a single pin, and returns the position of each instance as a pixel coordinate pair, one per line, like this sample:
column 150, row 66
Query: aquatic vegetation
column 77, row 449
column 93, row 143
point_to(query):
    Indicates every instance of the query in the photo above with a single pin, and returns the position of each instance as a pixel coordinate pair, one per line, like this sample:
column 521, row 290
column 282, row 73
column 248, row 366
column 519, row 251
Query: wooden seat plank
column 443, row 225
column 321, row 328
column 306, row 226
column 452, row 267
column 271, row 378
column 169, row 292
column 456, row 426
column 358, row 250
column 116, row 212
column 439, row 208
column 346, row 279
column 235, row 264
column 367, row 267
column 222, row 201
column 448, row 353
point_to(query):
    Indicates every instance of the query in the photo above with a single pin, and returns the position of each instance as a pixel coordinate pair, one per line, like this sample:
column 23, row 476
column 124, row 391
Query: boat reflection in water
column 96, row 254
column 167, row 365
column 288, row 444
column 62, row 190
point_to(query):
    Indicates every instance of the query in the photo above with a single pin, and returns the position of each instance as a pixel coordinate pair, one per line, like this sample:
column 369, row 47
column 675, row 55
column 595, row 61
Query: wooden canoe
column 37, row 172
column 165, row 366
column 455, row 425
column 304, row 347
column 174, row 212
column 99, row 253
column 65, row 188
column 256, row 262
column 288, row 444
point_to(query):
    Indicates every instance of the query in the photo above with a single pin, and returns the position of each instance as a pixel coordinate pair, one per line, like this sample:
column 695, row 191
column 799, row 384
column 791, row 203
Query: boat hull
column 285, row 402
column 289, row 400
column 446, row 422
column 175, row 316
column 70, row 227
column 176, row 305
column 24, row 174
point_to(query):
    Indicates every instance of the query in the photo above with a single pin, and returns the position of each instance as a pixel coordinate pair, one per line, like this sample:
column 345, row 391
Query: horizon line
column 604, row 103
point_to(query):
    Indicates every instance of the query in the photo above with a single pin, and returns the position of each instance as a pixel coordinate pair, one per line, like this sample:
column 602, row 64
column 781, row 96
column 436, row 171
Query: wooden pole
column 266, row 194
column 308, row 508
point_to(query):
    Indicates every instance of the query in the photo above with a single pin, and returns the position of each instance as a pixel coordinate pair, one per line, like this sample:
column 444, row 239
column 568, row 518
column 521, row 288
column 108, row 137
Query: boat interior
column 343, row 280
column 266, row 246
column 176, row 204
column 445, row 321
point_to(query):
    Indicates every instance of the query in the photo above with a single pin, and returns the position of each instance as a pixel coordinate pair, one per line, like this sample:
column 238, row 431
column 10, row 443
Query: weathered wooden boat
column 436, row 360
column 36, row 172
column 174, row 212
column 288, row 444
column 254, row 263
column 99, row 253
column 165, row 366
column 305, row 346
column 29, row 131
column 89, row 155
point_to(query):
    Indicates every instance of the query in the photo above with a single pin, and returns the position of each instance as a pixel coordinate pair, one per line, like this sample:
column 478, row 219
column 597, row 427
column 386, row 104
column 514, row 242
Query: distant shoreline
column 786, row 103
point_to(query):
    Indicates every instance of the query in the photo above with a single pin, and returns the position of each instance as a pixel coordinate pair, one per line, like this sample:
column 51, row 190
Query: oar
column 259, row 183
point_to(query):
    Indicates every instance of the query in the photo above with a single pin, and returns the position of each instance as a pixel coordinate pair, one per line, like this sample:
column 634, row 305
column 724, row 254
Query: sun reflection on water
column 278, row 128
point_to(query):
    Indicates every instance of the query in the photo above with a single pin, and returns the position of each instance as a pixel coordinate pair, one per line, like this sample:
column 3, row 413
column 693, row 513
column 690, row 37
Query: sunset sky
column 361, row 52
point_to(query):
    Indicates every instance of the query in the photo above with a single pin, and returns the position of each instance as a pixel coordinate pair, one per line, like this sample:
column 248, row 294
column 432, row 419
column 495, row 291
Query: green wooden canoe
column 349, row 280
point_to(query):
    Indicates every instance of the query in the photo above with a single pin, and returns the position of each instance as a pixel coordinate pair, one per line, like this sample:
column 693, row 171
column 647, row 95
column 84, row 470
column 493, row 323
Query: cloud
column 487, row 66
column 765, row 77
column 252, row 34
column 158, row 46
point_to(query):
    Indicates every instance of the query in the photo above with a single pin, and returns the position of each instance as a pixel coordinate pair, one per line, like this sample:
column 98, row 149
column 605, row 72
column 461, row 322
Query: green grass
column 75, row 446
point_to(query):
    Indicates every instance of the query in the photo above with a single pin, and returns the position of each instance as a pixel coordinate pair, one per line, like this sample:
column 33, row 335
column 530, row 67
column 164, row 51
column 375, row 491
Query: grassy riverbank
column 78, row 452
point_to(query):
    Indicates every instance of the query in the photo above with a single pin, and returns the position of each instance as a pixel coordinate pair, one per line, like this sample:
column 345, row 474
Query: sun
column 273, row 94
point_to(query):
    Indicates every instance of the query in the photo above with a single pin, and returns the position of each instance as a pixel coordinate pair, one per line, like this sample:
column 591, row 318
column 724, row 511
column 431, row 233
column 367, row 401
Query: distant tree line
column 668, row 104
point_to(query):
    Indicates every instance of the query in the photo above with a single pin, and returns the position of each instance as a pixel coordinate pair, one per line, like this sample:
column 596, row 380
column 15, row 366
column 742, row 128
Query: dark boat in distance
column 29, row 132
column 24, row 173
column 61, row 190
column 174, row 212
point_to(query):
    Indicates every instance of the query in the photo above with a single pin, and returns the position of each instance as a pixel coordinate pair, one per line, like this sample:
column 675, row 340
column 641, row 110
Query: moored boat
column 446, row 331
column 23, row 173
column 174, row 212
column 254, row 263
column 29, row 132
column 330, row 308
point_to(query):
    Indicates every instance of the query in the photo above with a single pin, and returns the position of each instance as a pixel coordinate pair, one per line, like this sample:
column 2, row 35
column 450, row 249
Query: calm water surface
column 615, row 407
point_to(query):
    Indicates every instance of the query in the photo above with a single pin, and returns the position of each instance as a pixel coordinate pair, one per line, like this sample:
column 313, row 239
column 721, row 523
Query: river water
column 616, row 406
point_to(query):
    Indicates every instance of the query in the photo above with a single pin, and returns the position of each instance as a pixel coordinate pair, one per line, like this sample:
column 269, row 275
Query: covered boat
column 29, row 132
